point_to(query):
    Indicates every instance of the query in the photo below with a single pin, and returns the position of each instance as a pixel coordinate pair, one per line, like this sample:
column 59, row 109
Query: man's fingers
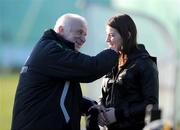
column 101, row 108
column 102, row 119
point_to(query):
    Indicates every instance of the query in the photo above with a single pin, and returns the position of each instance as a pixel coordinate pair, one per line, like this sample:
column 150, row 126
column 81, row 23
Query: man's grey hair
column 67, row 19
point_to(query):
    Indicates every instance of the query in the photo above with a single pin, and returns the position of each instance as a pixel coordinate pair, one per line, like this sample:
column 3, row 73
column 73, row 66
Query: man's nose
column 83, row 39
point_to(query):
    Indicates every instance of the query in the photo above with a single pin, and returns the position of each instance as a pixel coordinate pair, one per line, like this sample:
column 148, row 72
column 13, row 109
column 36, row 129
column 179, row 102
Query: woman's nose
column 107, row 39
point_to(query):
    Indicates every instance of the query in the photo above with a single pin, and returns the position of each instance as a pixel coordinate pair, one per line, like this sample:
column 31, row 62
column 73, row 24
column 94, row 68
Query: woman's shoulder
column 146, row 63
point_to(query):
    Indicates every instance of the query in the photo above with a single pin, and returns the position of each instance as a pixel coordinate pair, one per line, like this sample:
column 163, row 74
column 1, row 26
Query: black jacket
column 48, row 95
column 131, row 89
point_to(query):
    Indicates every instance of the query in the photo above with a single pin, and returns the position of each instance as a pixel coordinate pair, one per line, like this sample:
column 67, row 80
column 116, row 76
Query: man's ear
column 60, row 29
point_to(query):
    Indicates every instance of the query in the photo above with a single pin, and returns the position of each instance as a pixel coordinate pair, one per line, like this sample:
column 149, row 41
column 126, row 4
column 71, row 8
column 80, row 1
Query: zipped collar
column 139, row 52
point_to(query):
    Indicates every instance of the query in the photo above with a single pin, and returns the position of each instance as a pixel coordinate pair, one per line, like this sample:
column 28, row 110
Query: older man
column 48, row 95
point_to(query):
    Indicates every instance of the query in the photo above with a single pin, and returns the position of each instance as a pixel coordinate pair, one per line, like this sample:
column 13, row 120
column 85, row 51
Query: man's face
column 76, row 34
column 113, row 38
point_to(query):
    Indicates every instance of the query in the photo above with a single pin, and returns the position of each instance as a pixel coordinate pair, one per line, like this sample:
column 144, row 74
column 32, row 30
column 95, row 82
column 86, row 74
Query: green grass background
column 8, row 83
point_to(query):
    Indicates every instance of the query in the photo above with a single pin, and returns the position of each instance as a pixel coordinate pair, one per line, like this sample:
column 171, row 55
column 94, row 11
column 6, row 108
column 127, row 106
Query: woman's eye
column 111, row 35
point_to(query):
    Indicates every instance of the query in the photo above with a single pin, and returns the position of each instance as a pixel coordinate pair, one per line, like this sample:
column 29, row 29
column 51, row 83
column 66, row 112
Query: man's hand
column 102, row 121
column 110, row 115
column 107, row 117
column 100, row 108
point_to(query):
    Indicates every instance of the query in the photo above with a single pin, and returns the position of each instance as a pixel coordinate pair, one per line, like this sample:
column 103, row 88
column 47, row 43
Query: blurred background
column 158, row 23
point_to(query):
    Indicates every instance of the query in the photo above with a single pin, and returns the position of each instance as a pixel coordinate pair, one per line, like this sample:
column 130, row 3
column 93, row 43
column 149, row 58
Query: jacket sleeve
column 86, row 103
column 67, row 64
column 149, row 83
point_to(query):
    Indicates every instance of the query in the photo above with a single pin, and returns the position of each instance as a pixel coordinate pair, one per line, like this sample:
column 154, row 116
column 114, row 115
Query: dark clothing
column 92, row 119
column 48, row 95
column 131, row 89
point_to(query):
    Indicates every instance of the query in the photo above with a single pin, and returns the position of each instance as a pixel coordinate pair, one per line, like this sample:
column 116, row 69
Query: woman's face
column 113, row 38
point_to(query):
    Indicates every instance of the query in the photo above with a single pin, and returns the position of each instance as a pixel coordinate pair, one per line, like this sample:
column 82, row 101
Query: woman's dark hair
column 127, row 29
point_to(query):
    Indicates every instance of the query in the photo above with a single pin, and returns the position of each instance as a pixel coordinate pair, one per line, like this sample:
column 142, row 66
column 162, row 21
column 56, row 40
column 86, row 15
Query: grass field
column 8, row 85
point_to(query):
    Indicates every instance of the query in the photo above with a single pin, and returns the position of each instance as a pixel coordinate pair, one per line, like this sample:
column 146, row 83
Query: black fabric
column 131, row 89
column 52, row 62
column 92, row 119
column 118, row 127
column 86, row 104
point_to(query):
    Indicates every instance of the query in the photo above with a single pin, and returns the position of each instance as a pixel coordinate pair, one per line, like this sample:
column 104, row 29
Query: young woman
column 133, row 83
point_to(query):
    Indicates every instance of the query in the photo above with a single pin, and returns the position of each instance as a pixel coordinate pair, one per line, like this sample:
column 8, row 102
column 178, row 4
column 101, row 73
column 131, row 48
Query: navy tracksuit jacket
column 48, row 95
